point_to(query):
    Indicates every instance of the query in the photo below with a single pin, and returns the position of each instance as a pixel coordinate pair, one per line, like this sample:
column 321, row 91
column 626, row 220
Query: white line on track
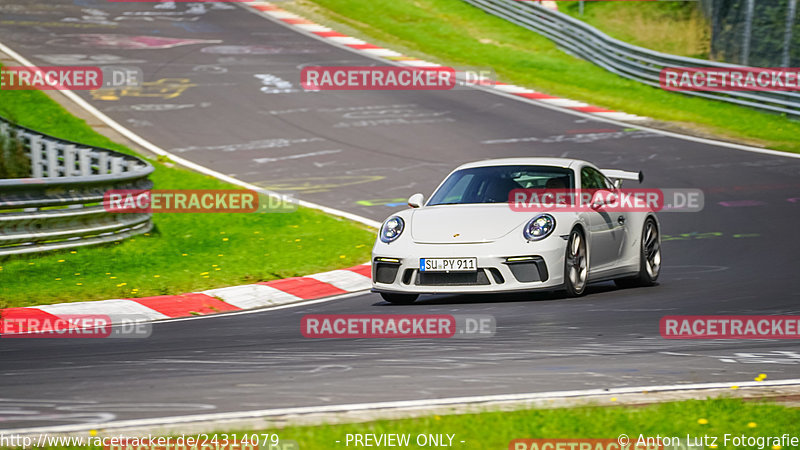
column 401, row 404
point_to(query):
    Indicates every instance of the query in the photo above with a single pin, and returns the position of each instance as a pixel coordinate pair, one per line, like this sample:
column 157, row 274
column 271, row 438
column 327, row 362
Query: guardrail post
column 51, row 150
column 85, row 161
column 116, row 165
column 36, row 156
column 102, row 163
column 69, row 160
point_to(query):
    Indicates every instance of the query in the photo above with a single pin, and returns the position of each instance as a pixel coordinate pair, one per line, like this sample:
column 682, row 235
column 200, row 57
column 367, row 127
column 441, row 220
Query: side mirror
column 416, row 200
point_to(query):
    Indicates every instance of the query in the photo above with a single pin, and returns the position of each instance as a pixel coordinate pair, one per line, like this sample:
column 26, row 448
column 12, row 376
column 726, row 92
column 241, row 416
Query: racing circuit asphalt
column 364, row 152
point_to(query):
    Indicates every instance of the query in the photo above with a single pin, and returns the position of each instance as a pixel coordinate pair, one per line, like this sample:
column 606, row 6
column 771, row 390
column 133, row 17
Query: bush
column 14, row 163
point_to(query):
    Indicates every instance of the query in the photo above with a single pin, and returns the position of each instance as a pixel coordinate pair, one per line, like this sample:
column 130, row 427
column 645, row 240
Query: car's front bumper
column 537, row 265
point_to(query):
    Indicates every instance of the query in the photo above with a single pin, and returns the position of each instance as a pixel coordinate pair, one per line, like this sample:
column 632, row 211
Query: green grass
column 494, row 430
column 185, row 252
column 455, row 33
column 678, row 28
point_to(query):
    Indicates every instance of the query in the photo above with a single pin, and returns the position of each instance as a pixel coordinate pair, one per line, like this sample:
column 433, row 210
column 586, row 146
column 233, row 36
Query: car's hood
column 461, row 224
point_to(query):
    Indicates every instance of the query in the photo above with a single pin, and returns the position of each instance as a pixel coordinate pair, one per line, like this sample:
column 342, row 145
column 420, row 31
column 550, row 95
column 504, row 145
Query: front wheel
column 399, row 299
column 649, row 260
column 576, row 264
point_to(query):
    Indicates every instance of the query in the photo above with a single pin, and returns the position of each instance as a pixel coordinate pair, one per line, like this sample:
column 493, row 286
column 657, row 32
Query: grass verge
column 678, row 28
column 185, row 252
column 453, row 32
column 494, row 430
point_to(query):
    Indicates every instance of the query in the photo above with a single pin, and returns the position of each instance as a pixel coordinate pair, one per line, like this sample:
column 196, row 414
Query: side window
column 593, row 179
column 606, row 182
column 589, row 180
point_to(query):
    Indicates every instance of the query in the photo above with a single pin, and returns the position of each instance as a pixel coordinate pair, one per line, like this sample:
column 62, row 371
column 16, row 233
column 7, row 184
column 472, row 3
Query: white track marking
column 346, row 40
column 344, row 279
column 617, row 115
column 112, row 308
column 418, row 63
column 381, row 52
column 514, row 89
column 400, row 404
column 184, row 162
column 252, row 296
column 313, row 27
column 564, row 102
column 283, row 14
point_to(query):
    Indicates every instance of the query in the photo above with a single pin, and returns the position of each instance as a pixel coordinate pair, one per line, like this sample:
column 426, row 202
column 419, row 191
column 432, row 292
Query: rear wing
column 618, row 176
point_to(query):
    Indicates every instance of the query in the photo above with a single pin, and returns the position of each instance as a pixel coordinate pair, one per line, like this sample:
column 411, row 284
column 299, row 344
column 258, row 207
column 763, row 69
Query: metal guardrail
column 61, row 205
column 629, row 61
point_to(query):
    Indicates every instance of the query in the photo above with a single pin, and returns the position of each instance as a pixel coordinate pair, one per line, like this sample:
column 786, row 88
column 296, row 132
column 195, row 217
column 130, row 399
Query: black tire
column 576, row 264
column 649, row 258
column 399, row 299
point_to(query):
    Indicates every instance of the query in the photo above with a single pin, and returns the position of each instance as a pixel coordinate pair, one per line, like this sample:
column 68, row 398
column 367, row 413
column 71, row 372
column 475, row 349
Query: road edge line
column 454, row 405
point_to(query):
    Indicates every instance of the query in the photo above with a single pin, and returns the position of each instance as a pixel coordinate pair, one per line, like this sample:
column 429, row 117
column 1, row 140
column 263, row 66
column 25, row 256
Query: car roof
column 529, row 161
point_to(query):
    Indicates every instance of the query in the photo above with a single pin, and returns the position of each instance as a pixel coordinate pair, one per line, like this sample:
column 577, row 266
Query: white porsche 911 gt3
column 468, row 237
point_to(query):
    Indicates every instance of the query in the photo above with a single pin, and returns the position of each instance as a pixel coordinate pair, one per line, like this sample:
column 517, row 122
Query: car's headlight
column 539, row 227
column 392, row 229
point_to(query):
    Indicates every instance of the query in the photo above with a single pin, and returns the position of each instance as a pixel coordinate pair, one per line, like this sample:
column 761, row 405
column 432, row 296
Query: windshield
column 494, row 184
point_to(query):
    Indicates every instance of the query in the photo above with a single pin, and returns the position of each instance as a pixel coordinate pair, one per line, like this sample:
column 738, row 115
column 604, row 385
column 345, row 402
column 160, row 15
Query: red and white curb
column 374, row 51
column 234, row 298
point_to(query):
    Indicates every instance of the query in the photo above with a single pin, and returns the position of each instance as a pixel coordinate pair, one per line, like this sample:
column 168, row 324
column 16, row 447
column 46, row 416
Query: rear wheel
column 399, row 299
column 649, row 260
column 576, row 264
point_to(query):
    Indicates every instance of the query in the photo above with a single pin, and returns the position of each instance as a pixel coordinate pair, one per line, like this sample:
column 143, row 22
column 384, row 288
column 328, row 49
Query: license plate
column 448, row 264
